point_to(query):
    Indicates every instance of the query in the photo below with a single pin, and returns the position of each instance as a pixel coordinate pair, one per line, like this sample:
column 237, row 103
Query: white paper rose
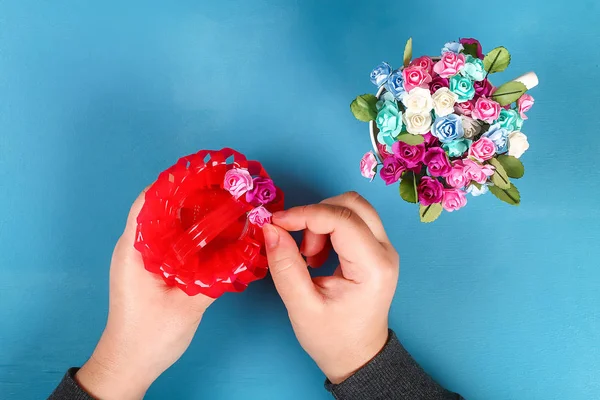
column 444, row 101
column 418, row 100
column 517, row 144
column 418, row 123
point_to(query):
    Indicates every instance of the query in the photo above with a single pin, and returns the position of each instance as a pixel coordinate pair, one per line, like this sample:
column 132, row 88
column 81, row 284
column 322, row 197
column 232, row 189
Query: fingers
column 288, row 269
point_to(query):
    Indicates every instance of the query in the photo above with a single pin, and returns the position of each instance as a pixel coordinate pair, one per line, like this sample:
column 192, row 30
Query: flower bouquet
column 443, row 130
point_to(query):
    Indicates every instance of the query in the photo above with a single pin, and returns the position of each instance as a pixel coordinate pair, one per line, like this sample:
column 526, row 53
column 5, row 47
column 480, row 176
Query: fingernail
column 271, row 236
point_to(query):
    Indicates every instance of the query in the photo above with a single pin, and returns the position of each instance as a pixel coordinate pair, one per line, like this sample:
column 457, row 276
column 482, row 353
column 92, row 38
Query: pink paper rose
column 477, row 172
column 467, row 41
column 450, row 64
column 237, row 182
column 454, row 199
column 424, row 62
column 465, row 108
column 430, row 191
column 368, row 165
column 483, row 149
column 259, row 216
column 486, row 110
column 437, row 162
column 392, row 170
column 525, row 103
column 412, row 156
column 456, row 178
column 383, row 151
column 415, row 77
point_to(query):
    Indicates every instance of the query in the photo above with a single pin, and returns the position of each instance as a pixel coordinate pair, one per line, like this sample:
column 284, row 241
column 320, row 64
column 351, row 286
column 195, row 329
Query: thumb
column 288, row 268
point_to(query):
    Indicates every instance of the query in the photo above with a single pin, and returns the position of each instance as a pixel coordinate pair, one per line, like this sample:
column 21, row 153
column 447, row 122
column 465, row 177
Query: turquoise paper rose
column 474, row 69
column 389, row 122
column 510, row 120
column 457, row 148
column 463, row 87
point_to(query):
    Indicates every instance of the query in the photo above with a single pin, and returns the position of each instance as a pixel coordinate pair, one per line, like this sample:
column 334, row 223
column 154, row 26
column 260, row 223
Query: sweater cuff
column 392, row 375
column 68, row 389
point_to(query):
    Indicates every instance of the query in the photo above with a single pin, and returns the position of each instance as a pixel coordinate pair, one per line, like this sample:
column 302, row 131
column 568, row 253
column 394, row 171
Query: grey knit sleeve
column 68, row 389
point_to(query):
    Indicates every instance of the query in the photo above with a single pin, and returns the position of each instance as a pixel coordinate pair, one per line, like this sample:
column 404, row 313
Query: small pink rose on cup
column 237, row 182
column 483, row 149
column 456, row 178
column 368, row 165
column 424, row 62
column 486, row 110
column 450, row 64
column 259, row 216
column 525, row 103
column 477, row 172
column 454, row 199
column 416, row 77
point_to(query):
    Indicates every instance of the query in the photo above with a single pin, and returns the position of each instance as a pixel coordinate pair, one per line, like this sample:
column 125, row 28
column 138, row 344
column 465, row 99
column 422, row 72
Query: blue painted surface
column 96, row 98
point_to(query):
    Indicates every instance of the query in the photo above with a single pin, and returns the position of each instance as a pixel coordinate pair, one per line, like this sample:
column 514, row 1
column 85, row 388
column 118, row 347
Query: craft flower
column 392, row 170
column 448, row 128
column 430, row 140
column 395, row 85
column 452, row 47
column 259, row 216
column 477, row 172
column 237, row 182
column 430, row 191
column 499, row 136
column 475, row 191
column 444, row 101
column 437, row 162
column 411, row 156
column 263, row 191
column 468, row 41
column 450, row 64
column 484, row 88
column 418, row 100
column 454, row 199
column 424, row 62
column 380, row 74
column 418, row 123
column 416, row 77
column 389, row 122
column 483, row 149
column 525, row 103
column 456, row 178
column 385, row 151
column 464, row 108
column 471, row 126
column 368, row 165
column 474, row 69
column 457, row 148
column 510, row 120
column 486, row 110
column 463, row 87
column 517, row 144
column 437, row 83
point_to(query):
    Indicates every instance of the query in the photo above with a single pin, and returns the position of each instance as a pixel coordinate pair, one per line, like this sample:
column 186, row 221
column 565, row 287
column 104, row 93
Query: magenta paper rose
column 465, row 108
column 484, row 88
column 264, row 192
column 483, row 149
column 383, row 151
column 368, row 165
column 430, row 191
column 430, row 140
column 259, row 216
column 237, row 182
column 454, row 199
column 424, row 62
column 467, row 41
column 437, row 162
column 412, row 156
column 486, row 110
column 415, row 77
column 437, row 83
column 450, row 64
column 525, row 103
column 392, row 170
column 477, row 172
column 456, row 178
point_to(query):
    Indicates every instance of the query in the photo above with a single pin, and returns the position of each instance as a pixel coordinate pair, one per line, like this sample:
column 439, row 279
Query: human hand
column 149, row 325
column 341, row 320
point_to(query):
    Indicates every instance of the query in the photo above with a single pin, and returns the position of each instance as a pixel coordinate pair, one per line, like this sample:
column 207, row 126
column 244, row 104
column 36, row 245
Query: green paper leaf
column 408, row 52
column 500, row 177
column 408, row 188
column 509, row 93
column 430, row 213
column 470, row 49
column 510, row 195
column 513, row 166
column 496, row 60
column 408, row 138
column 364, row 107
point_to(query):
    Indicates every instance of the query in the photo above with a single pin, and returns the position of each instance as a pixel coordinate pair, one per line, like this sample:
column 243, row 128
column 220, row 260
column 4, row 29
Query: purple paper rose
column 469, row 41
column 437, row 162
column 437, row 83
column 264, row 191
column 392, row 170
column 430, row 191
column 484, row 88
column 412, row 156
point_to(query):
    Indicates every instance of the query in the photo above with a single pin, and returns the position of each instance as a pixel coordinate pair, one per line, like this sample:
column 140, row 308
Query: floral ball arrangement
column 443, row 130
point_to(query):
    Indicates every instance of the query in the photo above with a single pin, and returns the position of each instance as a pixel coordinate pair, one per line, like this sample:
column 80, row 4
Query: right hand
column 341, row 321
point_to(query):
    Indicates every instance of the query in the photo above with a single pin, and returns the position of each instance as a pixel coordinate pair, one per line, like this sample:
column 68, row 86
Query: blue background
column 96, row 98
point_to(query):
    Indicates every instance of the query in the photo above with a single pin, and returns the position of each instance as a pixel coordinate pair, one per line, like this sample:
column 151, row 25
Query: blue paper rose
column 510, row 120
column 448, row 128
column 499, row 136
column 475, row 191
column 395, row 85
column 474, row 69
column 458, row 147
column 380, row 74
column 389, row 122
column 463, row 87
column 453, row 47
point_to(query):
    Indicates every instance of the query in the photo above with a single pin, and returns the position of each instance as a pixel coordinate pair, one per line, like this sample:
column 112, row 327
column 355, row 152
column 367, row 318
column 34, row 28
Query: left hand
column 149, row 325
